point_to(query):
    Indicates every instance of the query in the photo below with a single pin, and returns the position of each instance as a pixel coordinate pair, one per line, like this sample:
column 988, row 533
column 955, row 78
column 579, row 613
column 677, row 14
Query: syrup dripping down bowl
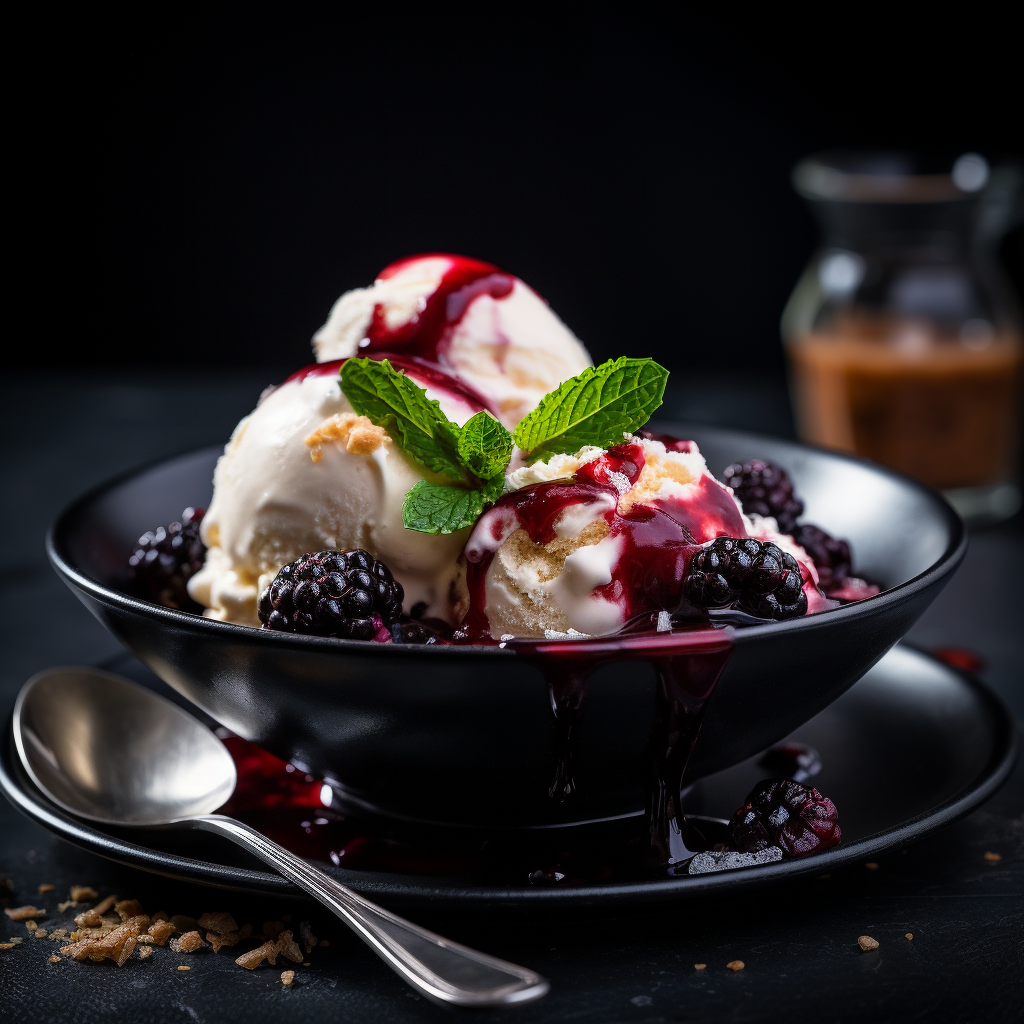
column 465, row 736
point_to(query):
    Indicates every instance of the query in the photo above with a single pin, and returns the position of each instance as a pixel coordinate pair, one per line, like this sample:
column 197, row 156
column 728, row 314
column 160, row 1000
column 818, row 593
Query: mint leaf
column 595, row 407
column 485, row 445
column 391, row 400
column 443, row 508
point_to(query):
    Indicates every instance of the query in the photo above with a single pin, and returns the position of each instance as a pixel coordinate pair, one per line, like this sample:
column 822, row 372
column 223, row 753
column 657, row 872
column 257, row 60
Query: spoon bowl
column 106, row 750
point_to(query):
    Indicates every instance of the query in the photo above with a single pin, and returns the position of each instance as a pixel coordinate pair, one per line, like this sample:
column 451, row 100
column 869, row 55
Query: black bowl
column 464, row 735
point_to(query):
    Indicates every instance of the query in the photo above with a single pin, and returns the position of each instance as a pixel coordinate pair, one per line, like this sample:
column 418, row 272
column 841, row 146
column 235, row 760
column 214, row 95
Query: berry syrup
column 427, row 375
column 300, row 812
column 427, row 335
column 688, row 663
column 419, row 346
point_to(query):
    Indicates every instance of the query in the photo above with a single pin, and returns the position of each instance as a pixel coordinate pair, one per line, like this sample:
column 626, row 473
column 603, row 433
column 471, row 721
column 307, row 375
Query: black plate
column 463, row 735
column 911, row 747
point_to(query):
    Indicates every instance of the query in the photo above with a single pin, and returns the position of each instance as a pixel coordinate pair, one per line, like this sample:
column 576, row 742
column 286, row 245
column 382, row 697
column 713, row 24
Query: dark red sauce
column 656, row 541
column 301, row 812
column 422, row 372
column 428, row 333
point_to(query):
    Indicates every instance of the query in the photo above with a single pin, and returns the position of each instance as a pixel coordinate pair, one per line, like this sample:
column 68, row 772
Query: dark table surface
column 798, row 941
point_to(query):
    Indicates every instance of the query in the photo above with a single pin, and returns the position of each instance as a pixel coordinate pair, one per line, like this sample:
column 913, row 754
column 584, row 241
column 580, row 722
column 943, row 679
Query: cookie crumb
column 287, row 977
column 909, row 935
column 735, row 965
column 700, row 967
column 145, row 952
column 993, row 858
column 866, row 942
column 871, row 866
column 323, row 942
column 187, row 943
column 251, row 960
column 83, row 892
column 23, row 913
column 7, row 945
column 184, row 967
column 46, row 887
column 54, row 959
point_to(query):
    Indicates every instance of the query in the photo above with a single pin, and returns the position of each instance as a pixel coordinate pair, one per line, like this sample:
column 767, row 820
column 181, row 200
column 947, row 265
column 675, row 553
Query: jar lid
column 865, row 177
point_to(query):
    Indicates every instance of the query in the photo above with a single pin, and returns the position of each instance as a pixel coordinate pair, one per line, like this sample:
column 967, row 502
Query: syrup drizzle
column 299, row 812
column 428, row 334
column 428, row 375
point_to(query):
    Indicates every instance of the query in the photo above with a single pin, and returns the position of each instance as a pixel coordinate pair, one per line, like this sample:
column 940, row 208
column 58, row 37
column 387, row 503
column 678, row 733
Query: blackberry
column 345, row 594
column 765, row 490
column 831, row 556
column 757, row 576
column 782, row 813
column 165, row 558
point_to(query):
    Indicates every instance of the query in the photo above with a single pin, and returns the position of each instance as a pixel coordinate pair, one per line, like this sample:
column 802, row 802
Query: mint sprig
column 596, row 407
column 445, row 508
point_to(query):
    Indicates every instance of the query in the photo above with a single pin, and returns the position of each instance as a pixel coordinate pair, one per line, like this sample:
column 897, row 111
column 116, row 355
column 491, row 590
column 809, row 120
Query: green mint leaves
column 595, row 407
column 485, row 446
column 444, row 508
column 473, row 457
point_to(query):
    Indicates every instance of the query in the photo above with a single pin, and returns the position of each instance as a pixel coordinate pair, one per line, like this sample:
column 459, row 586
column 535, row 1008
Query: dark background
column 209, row 190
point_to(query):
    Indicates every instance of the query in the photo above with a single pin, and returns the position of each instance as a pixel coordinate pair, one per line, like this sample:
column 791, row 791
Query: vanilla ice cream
column 304, row 473
column 483, row 326
column 586, row 542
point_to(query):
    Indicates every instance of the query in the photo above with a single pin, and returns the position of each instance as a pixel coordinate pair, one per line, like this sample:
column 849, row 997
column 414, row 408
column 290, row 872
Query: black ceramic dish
column 941, row 735
column 463, row 735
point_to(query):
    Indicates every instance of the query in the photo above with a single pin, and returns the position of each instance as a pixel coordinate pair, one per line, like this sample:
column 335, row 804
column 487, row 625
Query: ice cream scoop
column 469, row 318
column 587, row 542
column 303, row 473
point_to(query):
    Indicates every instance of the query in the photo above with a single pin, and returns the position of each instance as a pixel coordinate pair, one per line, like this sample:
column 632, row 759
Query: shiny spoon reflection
column 105, row 749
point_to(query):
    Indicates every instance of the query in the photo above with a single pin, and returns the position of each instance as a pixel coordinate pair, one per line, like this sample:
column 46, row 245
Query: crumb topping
column 356, row 433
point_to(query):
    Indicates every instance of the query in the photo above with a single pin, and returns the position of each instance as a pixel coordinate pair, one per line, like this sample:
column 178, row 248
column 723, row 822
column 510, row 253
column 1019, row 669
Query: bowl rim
column 943, row 566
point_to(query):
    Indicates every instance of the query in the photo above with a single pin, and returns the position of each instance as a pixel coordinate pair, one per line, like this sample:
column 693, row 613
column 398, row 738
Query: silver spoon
column 108, row 750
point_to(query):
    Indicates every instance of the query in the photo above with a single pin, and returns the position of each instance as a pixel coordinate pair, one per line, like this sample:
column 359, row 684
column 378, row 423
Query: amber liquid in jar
column 939, row 408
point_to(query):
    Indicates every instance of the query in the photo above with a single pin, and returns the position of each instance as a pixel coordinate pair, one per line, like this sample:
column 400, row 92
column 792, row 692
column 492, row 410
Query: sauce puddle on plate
column 297, row 810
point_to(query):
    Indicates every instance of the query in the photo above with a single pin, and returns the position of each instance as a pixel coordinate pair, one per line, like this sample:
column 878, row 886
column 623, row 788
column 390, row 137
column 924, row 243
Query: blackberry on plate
column 346, row 594
column 831, row 556
column 783, row 813
column 165, row 559
column 757, row 576
column 765, row 490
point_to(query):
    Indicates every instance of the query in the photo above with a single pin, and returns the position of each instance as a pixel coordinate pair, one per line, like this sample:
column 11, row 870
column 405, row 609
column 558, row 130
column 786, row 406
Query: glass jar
column 904, row 340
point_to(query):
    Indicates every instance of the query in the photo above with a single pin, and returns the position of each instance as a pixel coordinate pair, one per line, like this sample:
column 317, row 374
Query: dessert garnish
column 757, row 576
column 345, row 594
column 165, row 558
column 786, row 814
column 596, row 407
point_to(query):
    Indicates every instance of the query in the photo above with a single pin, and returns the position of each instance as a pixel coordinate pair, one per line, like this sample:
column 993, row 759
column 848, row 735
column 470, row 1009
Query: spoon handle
column 442, row 970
